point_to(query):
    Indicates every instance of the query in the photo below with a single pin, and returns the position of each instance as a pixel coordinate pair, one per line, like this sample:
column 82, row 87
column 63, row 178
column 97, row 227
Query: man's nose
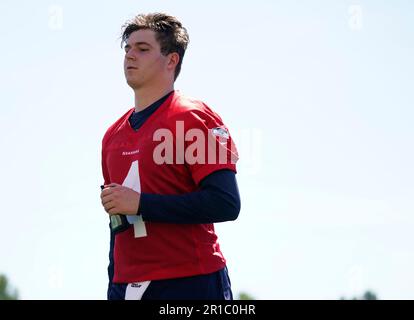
column 130, row 55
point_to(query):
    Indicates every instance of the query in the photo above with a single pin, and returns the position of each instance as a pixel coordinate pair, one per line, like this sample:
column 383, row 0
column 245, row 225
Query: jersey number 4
column 132, row 181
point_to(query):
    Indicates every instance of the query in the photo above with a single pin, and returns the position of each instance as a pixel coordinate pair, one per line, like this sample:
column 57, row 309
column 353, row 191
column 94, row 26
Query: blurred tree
column 368, row 295
column 245, row 296
column 5, row 291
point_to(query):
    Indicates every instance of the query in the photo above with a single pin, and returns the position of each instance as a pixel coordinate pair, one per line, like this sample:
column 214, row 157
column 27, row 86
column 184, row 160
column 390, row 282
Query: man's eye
column 143, row 50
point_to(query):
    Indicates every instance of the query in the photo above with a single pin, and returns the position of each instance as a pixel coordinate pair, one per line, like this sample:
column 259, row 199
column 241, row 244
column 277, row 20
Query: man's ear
column 173, row 59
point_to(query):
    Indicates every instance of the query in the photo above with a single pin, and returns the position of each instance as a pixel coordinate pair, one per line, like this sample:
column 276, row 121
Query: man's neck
column 144, row 98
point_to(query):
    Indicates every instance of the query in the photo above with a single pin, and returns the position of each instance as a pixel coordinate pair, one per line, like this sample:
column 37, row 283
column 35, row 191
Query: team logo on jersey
column 220, row 132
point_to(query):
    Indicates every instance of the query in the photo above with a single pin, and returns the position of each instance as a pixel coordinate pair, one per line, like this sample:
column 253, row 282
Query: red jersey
column 182, row 142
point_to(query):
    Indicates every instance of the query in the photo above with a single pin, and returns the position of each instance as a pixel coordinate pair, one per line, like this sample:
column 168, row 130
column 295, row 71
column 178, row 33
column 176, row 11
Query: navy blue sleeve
column 218, row 200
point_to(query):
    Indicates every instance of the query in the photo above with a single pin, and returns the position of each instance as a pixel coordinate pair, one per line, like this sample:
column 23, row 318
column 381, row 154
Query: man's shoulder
column 185, row 106
column 113, row 128
column 184, row 102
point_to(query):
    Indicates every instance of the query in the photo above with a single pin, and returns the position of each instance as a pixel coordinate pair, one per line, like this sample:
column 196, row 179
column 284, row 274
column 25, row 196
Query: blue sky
column 317, row 95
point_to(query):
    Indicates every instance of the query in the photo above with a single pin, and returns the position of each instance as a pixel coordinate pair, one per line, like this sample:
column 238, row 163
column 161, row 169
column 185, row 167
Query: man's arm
column 218, row 200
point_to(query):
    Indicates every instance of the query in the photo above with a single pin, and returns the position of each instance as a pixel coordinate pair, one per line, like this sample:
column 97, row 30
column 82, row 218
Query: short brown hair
column 170, row 33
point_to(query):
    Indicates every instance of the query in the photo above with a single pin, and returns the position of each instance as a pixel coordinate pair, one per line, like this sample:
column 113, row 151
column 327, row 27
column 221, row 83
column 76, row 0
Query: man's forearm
column 217, row 201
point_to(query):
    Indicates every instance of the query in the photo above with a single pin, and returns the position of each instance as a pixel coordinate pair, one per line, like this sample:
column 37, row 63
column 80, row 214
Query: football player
column 169, row 166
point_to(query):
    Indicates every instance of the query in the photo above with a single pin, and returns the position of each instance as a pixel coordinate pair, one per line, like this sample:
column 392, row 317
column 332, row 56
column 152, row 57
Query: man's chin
column 133, row 84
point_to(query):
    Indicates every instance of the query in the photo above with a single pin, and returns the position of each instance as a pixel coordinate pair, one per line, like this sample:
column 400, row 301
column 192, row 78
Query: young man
column 169, row 171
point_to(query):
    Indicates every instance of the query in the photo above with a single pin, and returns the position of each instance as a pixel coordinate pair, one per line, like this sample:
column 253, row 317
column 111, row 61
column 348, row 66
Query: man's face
column 144, row 65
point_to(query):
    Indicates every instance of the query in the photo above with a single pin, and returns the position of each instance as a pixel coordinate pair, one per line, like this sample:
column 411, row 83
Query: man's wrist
column 140, row 199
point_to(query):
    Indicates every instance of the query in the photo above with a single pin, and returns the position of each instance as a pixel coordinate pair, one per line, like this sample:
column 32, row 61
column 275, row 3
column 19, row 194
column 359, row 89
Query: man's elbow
column 226, row 208
column 233, row 210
